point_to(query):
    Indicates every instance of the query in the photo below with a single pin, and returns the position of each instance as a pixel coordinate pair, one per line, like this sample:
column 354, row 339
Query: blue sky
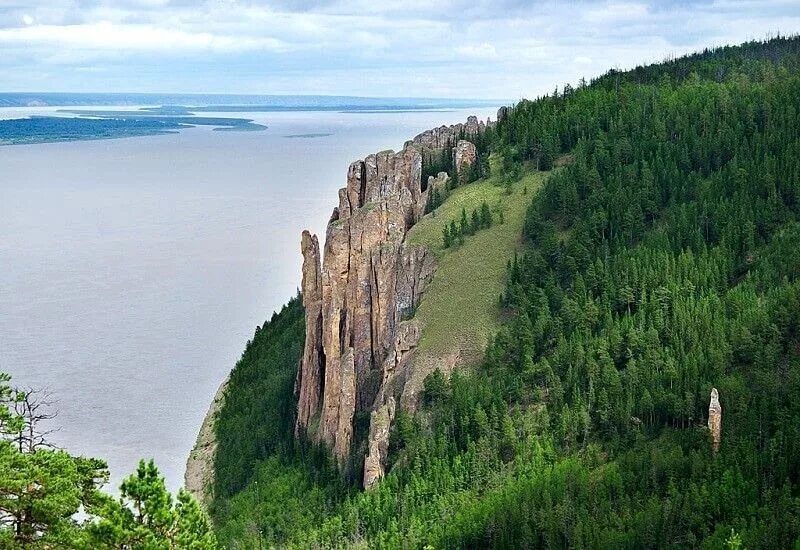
column 504, row 49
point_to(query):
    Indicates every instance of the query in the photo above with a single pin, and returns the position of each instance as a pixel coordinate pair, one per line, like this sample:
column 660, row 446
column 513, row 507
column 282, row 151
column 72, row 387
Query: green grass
column 459, row 310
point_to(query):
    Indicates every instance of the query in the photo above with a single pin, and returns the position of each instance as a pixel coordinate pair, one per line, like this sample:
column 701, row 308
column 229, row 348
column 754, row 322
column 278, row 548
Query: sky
column 499, row 49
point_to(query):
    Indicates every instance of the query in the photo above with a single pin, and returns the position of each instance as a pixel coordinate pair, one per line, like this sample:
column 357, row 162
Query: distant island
column 176, row 112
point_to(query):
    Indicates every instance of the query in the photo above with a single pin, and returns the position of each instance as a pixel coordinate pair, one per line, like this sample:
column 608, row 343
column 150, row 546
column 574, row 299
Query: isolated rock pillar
column 715, row 420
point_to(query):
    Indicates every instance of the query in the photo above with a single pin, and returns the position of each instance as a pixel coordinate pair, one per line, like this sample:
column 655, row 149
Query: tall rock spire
column 715, row 420
column 311, row 372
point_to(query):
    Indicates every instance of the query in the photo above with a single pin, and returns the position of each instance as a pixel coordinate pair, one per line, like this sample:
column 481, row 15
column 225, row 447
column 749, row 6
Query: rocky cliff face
column 359, row 298
column 447, row 136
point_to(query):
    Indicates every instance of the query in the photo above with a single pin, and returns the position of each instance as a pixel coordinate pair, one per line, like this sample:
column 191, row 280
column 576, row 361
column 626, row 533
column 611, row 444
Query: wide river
column 132, row 271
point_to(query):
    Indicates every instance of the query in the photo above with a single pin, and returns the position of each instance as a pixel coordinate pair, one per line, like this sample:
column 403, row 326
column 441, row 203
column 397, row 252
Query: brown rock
column 309, row 375
column 379, row 425
column 715, row 420
column 465, row 156
column 360, row 295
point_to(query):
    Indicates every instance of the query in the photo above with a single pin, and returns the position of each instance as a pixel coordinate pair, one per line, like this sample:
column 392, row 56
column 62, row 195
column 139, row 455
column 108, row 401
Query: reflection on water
column 132, row 271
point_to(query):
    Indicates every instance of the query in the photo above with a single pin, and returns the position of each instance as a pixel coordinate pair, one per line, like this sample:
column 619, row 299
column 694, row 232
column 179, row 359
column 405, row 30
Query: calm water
column 132, row 271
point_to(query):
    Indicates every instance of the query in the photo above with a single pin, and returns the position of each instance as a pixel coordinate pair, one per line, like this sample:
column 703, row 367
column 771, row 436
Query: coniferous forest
column 660, row 261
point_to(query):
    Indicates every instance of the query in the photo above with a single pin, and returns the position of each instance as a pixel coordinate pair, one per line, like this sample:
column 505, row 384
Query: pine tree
column 475, row 222
column 464, row 224
column 486, row 215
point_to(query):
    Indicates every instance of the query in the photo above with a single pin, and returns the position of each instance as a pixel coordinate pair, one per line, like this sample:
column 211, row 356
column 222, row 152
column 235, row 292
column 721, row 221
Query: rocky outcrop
column 446, row 136
column 309, row 376
column 465, row 156
column 360, row 296
column 379, row 425
column 715, row 420
column 357, row 296
column 198, row 479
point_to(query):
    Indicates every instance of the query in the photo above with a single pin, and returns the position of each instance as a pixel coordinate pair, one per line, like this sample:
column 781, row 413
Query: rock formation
column 465, row 156
column 446, row 136
column 198, row 477
column 309, row 377
column 715, row 420
column 359, row 297
column 380, row 422
column 503, row 112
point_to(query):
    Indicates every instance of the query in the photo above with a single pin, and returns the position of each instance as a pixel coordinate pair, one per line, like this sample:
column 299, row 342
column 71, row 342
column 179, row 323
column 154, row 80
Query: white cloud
column 105, row 35
column 468, row 48
column 479, row 51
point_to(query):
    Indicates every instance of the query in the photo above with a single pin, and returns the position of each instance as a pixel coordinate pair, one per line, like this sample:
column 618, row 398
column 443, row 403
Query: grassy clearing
column 459, row 309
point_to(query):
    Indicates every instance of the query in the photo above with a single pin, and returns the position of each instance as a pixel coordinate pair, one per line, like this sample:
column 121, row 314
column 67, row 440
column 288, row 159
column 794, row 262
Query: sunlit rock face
column 715, row 420
column 359, row 297
column 465, row 157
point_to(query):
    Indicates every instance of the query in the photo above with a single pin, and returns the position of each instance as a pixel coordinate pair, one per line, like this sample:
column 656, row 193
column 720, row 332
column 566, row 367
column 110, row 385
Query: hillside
column 659, row 263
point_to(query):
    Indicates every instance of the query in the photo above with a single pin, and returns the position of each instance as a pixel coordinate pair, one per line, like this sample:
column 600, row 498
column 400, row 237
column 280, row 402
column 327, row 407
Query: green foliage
column 42, row 490
column 481, row 218
column 660, row 261
column 146, row 516
column 257, row 415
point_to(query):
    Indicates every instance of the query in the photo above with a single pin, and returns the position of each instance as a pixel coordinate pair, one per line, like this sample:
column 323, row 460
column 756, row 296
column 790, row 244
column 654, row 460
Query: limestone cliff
column 360, row 296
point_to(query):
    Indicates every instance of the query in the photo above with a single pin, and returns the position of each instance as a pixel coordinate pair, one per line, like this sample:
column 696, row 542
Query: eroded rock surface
column 715, row 420
column 465, row 156
column 360, row 296
column 380, row 423
column 447, row 136
column 309, row 376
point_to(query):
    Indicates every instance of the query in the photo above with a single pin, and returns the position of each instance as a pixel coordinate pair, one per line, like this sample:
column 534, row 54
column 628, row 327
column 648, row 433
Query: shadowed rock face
column 357, row 296
column 715, row 420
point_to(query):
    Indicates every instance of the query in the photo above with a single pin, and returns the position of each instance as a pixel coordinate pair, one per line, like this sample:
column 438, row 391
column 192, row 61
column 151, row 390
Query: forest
column 50, row 499
column 660, row 260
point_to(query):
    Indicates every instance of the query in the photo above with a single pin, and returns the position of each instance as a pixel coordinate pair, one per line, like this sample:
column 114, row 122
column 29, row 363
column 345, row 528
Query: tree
column 475, row 222
column 446, row 239
column 146, row 516
column 486, row 215
column 43, row 488
column 463, row 225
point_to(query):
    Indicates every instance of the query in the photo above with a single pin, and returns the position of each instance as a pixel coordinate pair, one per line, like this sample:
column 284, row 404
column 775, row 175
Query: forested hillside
column 661, row 260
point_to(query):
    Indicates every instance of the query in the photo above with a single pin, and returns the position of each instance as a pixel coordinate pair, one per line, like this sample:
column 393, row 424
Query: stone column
column 715, row 420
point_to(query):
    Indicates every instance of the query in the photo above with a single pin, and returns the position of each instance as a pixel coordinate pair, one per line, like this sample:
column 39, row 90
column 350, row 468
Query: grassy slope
column 459, row 309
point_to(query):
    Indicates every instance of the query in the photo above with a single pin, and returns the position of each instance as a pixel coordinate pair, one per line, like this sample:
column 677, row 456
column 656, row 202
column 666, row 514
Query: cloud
column 465, row 48
column 105, row 35
column 478, row 51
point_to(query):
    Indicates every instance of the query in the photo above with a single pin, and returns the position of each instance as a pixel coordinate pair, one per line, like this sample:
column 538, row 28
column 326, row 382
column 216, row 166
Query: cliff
column 360, row 296
column 198, row 478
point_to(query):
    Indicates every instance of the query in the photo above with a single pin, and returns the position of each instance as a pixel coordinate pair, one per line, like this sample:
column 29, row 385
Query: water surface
column 132, row 271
